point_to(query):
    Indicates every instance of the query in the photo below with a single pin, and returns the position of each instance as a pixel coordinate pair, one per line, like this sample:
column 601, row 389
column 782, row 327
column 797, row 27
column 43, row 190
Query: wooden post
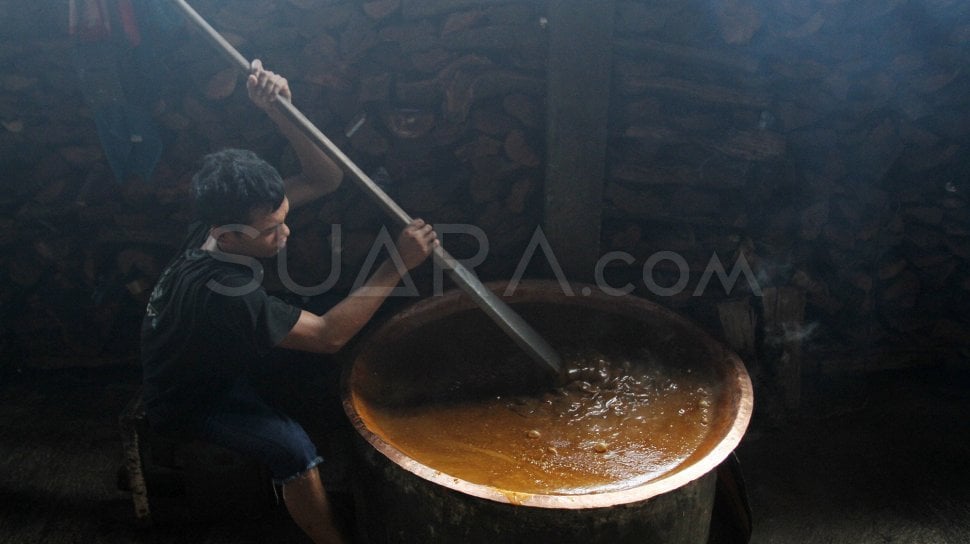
column 739, row 323
column 579, row 68
column 784, row 323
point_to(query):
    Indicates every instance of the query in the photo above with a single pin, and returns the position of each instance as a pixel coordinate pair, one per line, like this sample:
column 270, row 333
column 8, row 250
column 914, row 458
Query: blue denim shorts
column 244, row 423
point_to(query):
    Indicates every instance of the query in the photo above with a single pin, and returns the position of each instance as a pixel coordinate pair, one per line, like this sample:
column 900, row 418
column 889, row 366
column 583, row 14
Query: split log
column 411, row 37
column 519, row 194
column 524, row 108
column 645, row 48
column 519, row 150
column 359, row 36
column 807, row 28
column 369, row 140
column 639, row 18
column 409, row 123
column 415, row 9
column 750, row 145
column 638, row 203
column 491, row 123
column 423, row 196
column 222, row 84
column 493, row 38
column 457, row 22
column 813, row 219
column 739, row 21
column 489, row 179
column 464, row 90
column 381, row 9
column 432, row 60
column 713, row 94
column 482, row 146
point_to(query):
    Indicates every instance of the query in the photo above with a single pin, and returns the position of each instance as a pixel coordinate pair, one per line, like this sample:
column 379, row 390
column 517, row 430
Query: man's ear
column 225, row 238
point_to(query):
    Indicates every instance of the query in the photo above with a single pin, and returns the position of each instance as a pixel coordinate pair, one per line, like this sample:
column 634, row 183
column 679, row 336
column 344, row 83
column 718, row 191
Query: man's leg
column 308, row 505
column 244, row 423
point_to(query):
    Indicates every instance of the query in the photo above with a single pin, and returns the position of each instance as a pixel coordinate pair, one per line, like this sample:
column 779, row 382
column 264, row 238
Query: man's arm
column 329, row 332
column 319, row 174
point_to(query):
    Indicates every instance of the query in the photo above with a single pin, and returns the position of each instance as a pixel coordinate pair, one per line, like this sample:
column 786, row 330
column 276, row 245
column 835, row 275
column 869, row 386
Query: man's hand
column 319, row 175
column 416, row 242
column 264, row 86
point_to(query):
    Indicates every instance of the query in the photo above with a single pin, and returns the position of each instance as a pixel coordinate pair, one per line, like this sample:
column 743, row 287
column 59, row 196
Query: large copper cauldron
column 444, row 346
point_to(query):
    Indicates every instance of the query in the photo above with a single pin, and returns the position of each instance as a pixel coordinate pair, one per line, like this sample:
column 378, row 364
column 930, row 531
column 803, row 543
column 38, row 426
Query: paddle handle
column 297, row 117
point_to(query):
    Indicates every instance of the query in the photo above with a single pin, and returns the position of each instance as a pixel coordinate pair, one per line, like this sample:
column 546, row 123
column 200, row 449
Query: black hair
column 232, row 184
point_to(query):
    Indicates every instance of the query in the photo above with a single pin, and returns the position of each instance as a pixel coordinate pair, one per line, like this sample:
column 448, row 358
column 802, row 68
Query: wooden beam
column 578, row 97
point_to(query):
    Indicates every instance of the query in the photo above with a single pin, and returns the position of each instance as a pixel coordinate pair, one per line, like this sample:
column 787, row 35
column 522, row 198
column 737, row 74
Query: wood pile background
column 823, row 140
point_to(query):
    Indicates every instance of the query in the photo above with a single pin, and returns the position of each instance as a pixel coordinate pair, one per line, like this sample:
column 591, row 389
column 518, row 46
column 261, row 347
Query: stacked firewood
column 823, row 141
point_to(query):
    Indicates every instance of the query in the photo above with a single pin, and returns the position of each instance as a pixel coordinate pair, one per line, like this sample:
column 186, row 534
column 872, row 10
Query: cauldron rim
column 528, row 291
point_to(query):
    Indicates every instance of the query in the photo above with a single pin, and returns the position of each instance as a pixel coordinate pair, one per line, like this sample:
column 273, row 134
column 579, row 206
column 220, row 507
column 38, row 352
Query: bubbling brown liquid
column 615, row 424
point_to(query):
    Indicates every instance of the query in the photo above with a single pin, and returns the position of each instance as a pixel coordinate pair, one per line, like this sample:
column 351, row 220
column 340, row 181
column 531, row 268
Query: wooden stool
column 205, row 480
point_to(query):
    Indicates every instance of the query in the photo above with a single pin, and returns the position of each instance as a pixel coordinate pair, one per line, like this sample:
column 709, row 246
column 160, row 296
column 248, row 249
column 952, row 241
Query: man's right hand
column 416, row 242
column 330, row 332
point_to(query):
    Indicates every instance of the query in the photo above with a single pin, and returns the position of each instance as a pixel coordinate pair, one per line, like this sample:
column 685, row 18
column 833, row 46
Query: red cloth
column 89, row 20
column 128, row 22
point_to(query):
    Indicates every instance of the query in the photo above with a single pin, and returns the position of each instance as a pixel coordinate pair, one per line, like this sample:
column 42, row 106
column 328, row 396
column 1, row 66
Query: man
column 209, row 324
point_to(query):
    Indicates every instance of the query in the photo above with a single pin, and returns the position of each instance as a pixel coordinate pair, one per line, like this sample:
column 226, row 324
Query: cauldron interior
column 444, row 348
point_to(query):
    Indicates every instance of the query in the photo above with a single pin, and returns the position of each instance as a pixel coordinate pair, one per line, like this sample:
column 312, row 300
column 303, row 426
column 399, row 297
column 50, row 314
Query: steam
column 793, row 333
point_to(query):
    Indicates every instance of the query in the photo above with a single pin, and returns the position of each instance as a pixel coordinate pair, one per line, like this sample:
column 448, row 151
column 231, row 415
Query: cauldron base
column 395, row 506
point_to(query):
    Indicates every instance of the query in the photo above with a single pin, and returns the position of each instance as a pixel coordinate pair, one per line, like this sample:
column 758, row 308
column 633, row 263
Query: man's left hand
column 265, row 87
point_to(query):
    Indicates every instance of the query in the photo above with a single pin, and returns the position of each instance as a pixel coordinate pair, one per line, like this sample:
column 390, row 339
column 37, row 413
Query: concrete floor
column 880, row 458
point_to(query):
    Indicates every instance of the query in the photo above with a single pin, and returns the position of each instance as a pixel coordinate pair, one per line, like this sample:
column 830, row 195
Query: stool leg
column 136, row 474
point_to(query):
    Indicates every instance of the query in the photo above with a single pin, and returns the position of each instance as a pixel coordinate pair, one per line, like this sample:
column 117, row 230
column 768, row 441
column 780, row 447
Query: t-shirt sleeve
column 257, row 319
column 275, row 322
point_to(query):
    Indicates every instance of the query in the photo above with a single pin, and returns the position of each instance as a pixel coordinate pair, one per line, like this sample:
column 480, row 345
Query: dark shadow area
column 879, row 457
column 873, row 458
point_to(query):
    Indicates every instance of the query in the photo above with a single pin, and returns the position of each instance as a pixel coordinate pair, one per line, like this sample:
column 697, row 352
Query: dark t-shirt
column 208, row 324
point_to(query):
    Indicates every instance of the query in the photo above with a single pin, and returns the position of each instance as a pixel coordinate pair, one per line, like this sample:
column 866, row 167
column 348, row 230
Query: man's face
column 267, row 238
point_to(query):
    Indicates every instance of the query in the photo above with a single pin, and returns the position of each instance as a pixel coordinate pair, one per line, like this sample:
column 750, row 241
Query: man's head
column 234, row 187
